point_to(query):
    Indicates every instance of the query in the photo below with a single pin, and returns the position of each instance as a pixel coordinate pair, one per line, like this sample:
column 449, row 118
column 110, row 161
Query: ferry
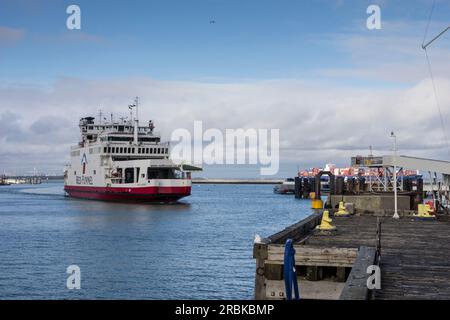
column 123, row 161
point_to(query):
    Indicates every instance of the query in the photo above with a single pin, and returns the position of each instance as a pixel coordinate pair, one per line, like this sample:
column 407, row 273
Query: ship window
column 109, row 149
column 129, row 175
column 105, row 150
column 151, row 150
column 90, row 127
column 167, row 150
column 160, row 173
column 139, row 150
column 121, row 150
column 152, row 173
column 159, row 150
column 129, row 150
column 121, row 128
column 132, row 150
column 147, row 150
column 95, row 172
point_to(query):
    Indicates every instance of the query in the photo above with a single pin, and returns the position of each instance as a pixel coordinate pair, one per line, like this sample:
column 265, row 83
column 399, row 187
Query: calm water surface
column 200, row 248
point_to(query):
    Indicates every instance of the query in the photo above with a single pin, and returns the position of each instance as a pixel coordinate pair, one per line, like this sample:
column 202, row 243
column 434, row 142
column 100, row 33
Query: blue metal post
column 290, row 273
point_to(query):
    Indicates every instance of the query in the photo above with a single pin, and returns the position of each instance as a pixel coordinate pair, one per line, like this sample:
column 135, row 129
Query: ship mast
column 136, row 119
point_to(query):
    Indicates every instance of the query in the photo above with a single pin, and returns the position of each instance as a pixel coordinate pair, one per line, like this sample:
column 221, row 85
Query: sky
column 309, row 68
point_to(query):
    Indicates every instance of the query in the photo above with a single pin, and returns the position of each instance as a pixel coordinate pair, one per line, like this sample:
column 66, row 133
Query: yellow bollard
column 316, row 204
column 326, row 225
column 423, row 212
column 342, row 211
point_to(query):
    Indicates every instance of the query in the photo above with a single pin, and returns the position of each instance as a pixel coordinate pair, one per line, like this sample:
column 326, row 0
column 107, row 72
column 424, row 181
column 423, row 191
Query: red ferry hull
column 135, row 194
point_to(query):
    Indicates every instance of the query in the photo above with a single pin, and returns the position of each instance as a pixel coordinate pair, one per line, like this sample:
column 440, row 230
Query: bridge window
column 152, row 174
column 160, row 173
column 129, row 175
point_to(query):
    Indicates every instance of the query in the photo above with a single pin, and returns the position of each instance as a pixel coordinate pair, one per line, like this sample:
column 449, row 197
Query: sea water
column 199, row 248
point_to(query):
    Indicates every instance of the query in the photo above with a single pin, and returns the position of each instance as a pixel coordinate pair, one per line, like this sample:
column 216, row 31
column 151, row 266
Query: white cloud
column 317, row 122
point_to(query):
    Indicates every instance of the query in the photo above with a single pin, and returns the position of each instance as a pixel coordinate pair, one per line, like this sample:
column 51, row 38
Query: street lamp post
column 396, row 216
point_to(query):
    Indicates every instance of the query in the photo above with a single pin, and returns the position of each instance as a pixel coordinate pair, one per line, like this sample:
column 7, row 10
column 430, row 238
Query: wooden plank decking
column 415, row 255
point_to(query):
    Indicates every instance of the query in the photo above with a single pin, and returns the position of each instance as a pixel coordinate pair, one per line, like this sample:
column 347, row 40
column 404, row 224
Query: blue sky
column 175, row 40
column 309, row 68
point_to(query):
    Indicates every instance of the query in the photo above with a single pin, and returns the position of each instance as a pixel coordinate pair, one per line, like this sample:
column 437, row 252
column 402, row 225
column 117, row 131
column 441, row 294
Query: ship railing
column 116, row 180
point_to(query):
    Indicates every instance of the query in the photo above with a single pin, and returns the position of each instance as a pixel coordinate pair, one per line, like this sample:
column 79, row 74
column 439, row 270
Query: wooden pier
column 413, row 256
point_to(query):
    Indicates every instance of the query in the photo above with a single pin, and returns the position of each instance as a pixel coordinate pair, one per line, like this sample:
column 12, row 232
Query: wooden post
column 260, row 254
